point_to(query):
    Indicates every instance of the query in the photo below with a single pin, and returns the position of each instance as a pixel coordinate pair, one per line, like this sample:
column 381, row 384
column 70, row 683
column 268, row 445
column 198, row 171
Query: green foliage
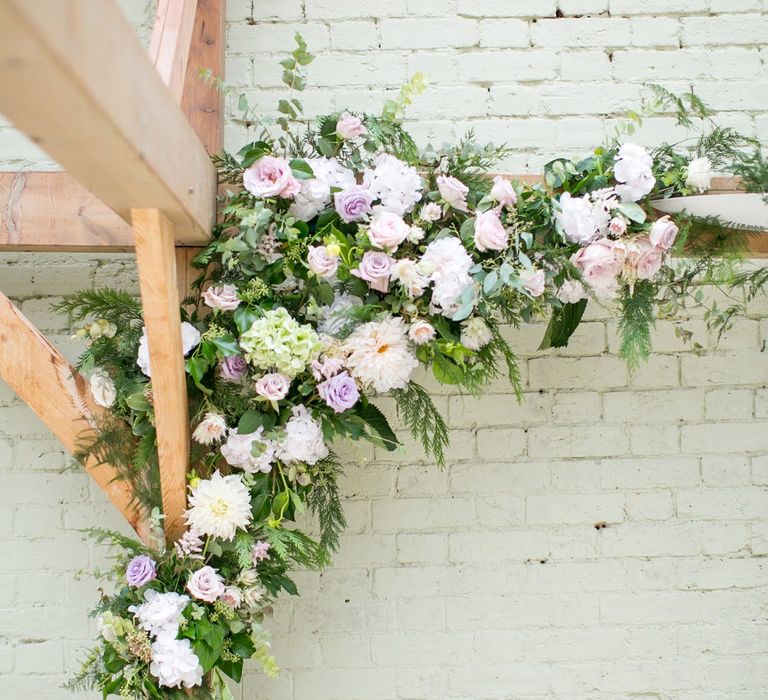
column 395, row 109
column 297, row 547
column 563, row 322
column 114, row 305
column 324, row 502
column 418, row 412
column 637, row 319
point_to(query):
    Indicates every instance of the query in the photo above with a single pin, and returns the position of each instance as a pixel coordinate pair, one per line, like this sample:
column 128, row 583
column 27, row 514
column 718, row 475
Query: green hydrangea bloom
column 278, row 342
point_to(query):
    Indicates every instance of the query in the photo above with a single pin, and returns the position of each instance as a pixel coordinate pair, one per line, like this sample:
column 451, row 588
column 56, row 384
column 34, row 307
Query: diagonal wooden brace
column 43, row 378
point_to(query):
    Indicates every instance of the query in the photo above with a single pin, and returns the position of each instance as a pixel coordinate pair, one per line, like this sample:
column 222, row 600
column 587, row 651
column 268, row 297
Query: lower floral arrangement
column 345, row 258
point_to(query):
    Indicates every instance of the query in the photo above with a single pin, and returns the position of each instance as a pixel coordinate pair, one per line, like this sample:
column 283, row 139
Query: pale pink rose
column 571, row 292
column 663, row 233
column 206, row 585
column 617, row 226
column 326, row 368
column 600, row 266
column 490, row 233
column 322, row 264
column 649, row 258
column 223, row 297
column 503, row 192
column 387, row 230
column 453, row 191
column 349, row 126
column 271, row 177
column 233, row 597
column 375, row 268
column 431, row 212
column 421, row 332
column 273, row 386
column 534, row 282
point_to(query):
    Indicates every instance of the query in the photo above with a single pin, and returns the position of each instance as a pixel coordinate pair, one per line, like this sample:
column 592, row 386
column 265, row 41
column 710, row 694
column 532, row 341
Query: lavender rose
column 206, row 585
column 233, row 368
column 141, row 570
column 223, row 298
column 273, row 386
column 375, row 269
column 353, row 203
column 339, row 392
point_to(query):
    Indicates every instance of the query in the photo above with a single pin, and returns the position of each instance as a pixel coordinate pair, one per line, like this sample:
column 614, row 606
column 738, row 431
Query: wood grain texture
column 170, row 42
column 75, row 78
column 156, row 260
column 43, row 379
column 203, row 103
column 54, row 212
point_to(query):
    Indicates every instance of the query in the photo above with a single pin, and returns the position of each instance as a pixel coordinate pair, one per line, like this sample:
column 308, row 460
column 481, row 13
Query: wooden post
column 170, row 42
column 43, row 379
column 156, row 260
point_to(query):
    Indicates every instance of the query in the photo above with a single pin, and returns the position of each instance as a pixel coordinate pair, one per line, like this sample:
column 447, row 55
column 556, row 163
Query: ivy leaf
column 562, row 324
column 378, row 421
column 244, row 318
column 301, row 169
column 251, row 421
column 227, row 345
column 446, row 371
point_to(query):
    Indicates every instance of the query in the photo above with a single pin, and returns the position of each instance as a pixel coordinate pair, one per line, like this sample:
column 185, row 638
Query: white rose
column 634, row 170
column 699, row 176
column 190, row 337
column 577, row 219
column 103, row 388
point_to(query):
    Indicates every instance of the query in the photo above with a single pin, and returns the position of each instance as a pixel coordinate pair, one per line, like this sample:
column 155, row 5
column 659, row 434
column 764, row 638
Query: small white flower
column 103, row 388
column 476, row 334
column 219, row 506
column 211, row 429
column 190, row 338
column 699, row 176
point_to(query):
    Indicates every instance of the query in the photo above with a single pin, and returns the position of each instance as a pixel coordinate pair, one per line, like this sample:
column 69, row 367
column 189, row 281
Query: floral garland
column 346, row 260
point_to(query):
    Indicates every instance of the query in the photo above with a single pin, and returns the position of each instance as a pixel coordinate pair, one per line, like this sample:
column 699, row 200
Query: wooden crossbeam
column 170, row 43
column 155, row 256
column 74, row 77
column 43, row 378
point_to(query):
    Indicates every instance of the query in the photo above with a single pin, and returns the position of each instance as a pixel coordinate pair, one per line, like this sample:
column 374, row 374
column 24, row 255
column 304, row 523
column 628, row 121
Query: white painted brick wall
column 488, row 580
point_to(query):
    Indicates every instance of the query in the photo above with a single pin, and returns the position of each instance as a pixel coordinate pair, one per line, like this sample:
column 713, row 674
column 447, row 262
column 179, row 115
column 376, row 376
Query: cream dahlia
column 219, row 505
column 378, row 354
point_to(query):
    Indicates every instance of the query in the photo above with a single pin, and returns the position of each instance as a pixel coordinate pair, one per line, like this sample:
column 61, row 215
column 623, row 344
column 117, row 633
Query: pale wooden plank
column 75, row 78
column 155, row 256
column 43, row 379
column 204, row 103
column 169, row 46
column 54, row 212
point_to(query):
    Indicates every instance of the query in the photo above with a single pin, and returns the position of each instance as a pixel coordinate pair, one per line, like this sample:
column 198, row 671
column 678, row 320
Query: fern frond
column 637, row 319
column 323, row 501
column 418, row 412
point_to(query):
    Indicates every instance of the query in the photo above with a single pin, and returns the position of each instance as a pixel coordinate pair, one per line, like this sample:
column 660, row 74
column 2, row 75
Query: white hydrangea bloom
column 174, row 664
column 303, row 440
column 315, row 194
column 396, row 184
column 447, row 264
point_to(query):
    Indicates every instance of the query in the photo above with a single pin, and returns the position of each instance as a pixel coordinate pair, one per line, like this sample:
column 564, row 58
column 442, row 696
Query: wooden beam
column 74, row 77
column 156, row 260
column 43, row 379
column 170, row 43
column 202, row 101
column 54, row 212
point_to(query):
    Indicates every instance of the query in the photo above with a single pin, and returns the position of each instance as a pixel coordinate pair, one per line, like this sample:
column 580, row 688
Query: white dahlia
column 379, row 356
column 219, row 505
